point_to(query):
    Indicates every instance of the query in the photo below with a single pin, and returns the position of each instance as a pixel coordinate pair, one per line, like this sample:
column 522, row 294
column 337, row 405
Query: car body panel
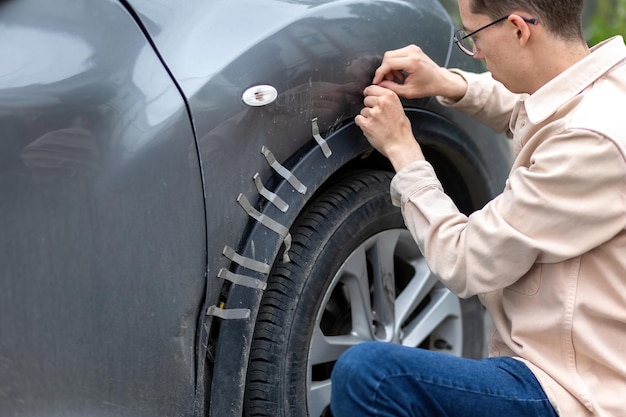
column 101, row 218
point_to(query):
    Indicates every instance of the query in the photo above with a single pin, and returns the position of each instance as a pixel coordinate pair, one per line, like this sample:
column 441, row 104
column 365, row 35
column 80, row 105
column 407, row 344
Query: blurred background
column 604, row 18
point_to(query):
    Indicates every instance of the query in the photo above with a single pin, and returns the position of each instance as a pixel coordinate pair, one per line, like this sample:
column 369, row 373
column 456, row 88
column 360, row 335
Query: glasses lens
column 466, row 43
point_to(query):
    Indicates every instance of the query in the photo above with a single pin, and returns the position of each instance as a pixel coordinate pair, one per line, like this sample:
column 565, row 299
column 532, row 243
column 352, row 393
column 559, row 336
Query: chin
column 508, row 86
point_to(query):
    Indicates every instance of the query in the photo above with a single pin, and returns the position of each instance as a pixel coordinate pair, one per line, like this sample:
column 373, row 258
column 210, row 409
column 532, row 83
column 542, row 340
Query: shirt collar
column 545, row 101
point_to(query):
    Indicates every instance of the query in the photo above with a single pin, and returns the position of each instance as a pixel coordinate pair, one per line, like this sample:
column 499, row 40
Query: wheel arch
column 450, row 150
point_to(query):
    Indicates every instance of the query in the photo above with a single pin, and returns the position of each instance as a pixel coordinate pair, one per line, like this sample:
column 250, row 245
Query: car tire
column 355, row 274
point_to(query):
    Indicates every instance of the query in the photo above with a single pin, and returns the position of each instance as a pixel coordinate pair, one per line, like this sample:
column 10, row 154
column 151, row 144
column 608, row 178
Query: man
column 547, row 257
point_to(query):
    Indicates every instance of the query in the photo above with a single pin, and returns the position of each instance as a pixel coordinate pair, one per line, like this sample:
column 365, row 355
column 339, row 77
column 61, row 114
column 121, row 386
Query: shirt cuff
column 411, row 179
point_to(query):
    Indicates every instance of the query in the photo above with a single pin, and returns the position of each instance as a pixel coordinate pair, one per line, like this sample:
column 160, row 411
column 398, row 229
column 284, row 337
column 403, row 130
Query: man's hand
column 410, row 73
column 387, row 128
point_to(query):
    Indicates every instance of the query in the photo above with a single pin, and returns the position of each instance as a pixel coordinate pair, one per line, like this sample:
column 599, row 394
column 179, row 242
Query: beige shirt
column 547, row 257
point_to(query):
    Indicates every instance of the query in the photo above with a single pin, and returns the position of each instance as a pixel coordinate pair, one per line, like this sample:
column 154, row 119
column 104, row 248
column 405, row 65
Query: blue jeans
column 387, row 380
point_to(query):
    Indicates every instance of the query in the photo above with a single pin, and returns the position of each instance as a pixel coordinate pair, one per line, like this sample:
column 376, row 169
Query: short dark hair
column 561, row 17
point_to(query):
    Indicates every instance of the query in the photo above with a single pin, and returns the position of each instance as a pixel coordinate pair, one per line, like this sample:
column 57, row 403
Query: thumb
column 399, row 89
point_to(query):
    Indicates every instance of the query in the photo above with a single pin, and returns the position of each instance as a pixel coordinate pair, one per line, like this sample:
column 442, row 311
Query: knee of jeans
column 356, row 362
column 350, row 377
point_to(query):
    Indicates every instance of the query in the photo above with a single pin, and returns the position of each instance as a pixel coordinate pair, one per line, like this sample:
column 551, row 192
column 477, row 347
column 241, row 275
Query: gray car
column 191, row 223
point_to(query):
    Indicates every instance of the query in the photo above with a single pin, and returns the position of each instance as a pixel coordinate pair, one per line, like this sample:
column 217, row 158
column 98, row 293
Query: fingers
column 375, row 90
column 369, row 109
column 359, row 120
column 408, row 72
column 396, row 62
column 387, row 128
column 381, row 103
column 391, row 69
column 375, row 94
column 400, row 89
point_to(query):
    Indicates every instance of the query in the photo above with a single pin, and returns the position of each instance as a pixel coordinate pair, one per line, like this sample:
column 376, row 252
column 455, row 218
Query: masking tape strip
column 282, row 171
column 260, row 217
column 267, row 222
column 242, row 280
column 228, row 314
column 287, row 241
column 272, row 197
column 246, row 262
column 319, row 139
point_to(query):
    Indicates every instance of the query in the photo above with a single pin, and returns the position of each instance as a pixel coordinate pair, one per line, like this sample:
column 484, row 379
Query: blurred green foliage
column 606, row 18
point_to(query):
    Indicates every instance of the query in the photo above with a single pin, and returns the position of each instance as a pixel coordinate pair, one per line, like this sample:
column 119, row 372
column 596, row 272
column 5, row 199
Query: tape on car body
column 246, row 262
column 267, row 222
column 228, row 313
column 270, row 196
column 240, row 279
column 319, row 139
column 282, row 171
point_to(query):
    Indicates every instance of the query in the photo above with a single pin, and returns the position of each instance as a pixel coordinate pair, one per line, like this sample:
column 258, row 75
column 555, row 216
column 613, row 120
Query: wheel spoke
column 415, row 292
column 329, row 348
column 381, row 257
column 354, row 277
column 319, row 397
column 443, row 305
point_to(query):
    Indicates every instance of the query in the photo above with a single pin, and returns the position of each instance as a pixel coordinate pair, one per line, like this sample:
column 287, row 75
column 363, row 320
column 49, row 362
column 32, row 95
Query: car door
column 102, row 230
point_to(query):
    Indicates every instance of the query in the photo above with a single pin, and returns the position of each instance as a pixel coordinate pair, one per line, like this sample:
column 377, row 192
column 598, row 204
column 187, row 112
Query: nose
column 477, row 54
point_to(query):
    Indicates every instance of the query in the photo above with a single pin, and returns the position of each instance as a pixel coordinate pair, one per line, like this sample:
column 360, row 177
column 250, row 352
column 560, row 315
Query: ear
column 522, row 29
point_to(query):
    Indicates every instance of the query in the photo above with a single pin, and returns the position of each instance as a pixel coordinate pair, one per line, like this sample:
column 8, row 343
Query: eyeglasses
column 465, row 42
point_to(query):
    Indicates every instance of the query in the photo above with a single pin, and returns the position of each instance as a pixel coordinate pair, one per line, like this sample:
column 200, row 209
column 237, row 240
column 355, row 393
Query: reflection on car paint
column 31, row 66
